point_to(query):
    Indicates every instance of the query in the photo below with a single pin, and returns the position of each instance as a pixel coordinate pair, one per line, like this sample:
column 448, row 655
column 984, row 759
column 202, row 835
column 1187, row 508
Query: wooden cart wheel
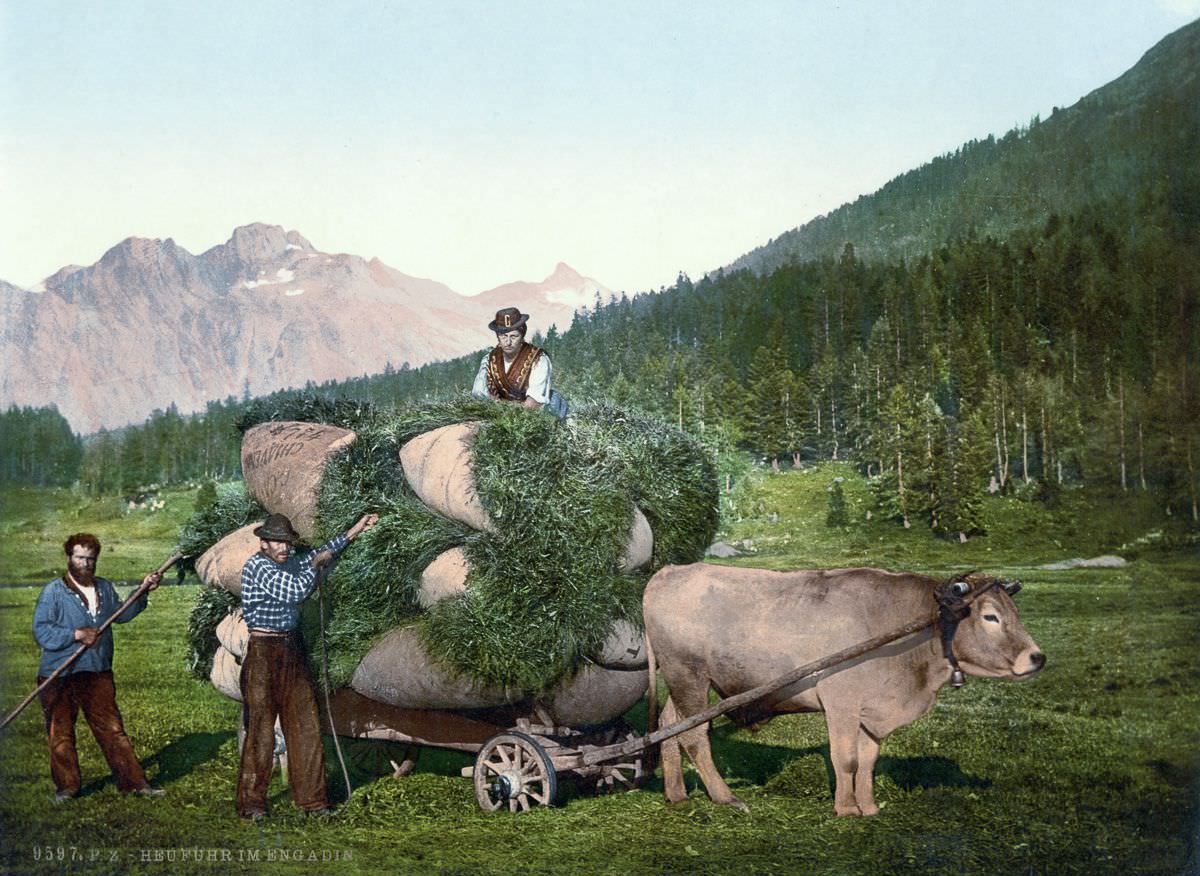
column 513, row 770
column 624, row 775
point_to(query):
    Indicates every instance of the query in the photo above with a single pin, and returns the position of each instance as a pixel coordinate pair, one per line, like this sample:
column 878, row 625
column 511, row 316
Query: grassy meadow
column 1091, row 767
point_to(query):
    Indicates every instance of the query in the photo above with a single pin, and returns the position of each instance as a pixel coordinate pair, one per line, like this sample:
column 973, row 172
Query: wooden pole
column 133, row 597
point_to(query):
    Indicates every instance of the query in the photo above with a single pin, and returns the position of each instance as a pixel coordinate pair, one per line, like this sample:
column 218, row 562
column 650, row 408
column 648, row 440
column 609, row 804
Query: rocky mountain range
column 151, row 324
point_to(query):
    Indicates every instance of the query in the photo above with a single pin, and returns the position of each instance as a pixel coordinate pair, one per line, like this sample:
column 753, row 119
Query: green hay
column 306, row 407
column 212, row 605
column 544, row 591
column 232, row 510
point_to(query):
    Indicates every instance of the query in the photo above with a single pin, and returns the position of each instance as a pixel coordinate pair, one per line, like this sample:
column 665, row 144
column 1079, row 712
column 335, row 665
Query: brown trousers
column 275, row 682
column 96, row 694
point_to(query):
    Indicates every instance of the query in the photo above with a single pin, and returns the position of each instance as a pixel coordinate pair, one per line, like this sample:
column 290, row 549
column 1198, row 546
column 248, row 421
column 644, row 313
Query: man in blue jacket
column 69, row 613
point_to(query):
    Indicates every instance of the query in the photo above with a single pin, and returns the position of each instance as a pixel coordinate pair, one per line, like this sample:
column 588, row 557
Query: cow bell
column 960, row 588
column 957, row 678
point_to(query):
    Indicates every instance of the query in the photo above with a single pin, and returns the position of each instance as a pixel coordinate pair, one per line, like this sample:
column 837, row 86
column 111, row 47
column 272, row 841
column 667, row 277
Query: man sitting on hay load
column 515, row 371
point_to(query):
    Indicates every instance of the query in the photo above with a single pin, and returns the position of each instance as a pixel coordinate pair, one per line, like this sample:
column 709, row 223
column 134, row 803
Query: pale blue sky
column 479, row 143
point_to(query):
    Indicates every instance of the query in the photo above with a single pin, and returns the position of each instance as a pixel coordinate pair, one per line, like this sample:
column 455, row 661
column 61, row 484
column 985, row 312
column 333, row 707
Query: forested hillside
column 1037, row 340
column 1135, row 137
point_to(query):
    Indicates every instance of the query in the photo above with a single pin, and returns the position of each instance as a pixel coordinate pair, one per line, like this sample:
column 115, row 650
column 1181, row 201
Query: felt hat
column 508, row 319
column 277, row 528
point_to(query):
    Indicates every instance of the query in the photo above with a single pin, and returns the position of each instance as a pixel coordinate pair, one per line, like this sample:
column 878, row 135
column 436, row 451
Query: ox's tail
column 650, row 758
column 651, row 689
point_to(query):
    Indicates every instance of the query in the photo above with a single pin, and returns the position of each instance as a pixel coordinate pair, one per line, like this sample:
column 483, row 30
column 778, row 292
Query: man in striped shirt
column 275, row 680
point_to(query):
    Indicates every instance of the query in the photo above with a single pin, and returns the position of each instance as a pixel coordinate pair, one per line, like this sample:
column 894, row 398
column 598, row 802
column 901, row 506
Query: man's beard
column 84, row 579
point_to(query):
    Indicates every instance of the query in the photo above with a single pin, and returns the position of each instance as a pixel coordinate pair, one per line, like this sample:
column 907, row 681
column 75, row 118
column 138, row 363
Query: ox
column 733, row 629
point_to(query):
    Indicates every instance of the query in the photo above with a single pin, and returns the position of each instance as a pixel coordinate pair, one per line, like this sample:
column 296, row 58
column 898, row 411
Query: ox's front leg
column 843, row 727
column 864, row 776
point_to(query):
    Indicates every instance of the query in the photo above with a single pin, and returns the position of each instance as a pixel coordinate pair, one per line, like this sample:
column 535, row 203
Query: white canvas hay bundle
column 221, row 565
column 282, row 464
column 233, row 634
column 399, row 671
column 444, row 577
column 437, row 466
column 593, row 696
column 226, row 674
column 639, row 548
column 625, row 648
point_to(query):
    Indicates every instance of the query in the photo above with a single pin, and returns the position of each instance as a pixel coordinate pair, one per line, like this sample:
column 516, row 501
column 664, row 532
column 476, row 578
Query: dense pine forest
column 1060, row 356
column 1019, row 315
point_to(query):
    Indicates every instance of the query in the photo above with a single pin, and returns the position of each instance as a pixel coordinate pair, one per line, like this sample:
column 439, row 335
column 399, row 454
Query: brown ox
column 732, row 629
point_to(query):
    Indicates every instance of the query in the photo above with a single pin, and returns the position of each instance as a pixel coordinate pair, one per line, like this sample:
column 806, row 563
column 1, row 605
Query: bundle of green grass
column 548, row 574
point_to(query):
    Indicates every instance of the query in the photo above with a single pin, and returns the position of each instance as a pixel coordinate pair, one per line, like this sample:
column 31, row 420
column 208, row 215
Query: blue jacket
column 61, row 611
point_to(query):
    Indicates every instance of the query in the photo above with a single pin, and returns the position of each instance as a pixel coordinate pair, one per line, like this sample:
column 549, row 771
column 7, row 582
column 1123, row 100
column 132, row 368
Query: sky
column 479, row 143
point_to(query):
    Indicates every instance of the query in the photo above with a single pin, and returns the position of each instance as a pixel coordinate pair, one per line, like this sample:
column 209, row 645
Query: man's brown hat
column 508, row 319
column 277, row 528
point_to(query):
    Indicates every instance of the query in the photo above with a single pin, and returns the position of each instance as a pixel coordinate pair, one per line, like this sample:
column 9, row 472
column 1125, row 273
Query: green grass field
column 1091, row 767
column 34, row 523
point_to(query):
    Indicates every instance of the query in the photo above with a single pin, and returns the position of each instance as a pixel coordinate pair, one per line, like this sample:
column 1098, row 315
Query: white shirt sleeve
column 539, row 380
column 480, row 388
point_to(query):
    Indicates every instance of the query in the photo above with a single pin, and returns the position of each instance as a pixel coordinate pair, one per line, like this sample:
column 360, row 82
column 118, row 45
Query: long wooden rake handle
column 133, row 597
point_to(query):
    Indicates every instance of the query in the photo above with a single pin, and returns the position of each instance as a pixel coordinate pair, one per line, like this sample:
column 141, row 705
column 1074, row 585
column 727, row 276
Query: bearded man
column 69, row 613
column 514, row 371
column 275, row 680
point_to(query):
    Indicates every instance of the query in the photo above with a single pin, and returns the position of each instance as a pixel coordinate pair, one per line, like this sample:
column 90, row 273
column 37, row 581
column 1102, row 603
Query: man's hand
column 323, row 559
column 87, row 635
column 364, row 523
column 151, row 581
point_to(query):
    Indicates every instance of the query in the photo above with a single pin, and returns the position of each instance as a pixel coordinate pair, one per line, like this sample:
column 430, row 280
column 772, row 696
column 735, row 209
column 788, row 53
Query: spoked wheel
column 624, row 775
column 513, row 770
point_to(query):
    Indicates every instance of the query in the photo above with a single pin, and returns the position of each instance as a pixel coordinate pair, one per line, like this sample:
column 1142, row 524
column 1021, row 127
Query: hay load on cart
column 502, row 585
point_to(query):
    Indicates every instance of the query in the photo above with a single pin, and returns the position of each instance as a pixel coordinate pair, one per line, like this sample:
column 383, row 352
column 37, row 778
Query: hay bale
column 625, row 648
column 399, row 671
column 226, row 674
column 595, row 695
column 221, row 565
column 437, row 466
column 446, row 576
column 233, row 634
column 282, row 464
column 552, row 528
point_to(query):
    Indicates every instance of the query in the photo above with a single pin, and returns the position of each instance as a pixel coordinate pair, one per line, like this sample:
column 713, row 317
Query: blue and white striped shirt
column 272, row 592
